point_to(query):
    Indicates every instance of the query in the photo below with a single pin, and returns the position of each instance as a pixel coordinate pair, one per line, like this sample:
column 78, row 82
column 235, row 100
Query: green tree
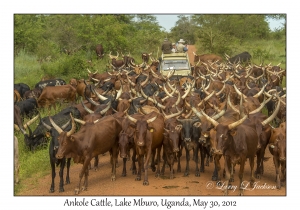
column 184, row 29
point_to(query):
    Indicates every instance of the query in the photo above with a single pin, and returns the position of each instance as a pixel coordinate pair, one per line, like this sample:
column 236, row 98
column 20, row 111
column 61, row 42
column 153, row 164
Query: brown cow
column 172, row 143
column 102, row 137
column 51, row 94
column 148, row 137
column 277, row 148
column 17, row 96
column 99, row 51
column 205, row 58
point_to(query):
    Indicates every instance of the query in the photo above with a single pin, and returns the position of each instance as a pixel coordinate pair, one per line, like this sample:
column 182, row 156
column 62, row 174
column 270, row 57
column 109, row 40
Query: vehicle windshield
column 175, row 64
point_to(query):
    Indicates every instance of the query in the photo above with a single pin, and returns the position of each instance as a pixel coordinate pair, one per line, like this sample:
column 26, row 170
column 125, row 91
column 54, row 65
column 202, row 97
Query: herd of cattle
column 134, row 111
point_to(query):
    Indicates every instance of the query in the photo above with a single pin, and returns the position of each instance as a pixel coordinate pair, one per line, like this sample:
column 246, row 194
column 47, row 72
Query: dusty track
column 100, row 183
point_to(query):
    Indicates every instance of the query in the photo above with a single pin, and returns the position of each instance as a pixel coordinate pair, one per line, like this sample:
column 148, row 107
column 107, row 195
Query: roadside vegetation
column 62, row 46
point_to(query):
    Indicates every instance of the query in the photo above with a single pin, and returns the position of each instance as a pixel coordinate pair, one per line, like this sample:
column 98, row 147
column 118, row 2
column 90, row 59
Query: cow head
column 142, row 127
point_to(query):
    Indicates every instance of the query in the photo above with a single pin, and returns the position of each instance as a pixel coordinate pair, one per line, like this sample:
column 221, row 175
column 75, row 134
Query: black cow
column 53, row 147
column 21, row 88
column 99, row 51
column 242, row 57
column 28, row 107
column 38, row 136
column 50, row 82
column 190, row 134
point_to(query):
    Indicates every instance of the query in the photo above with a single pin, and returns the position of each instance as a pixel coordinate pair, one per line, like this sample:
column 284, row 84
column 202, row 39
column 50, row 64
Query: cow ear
column 233, row 132
column 48, row 135
column 197, row 124
column 151, row 129
column 178, row 128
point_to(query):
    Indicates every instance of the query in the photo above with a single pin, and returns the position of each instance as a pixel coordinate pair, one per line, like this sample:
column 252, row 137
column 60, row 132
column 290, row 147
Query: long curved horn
column 231, row 105
column 70, row 132
column 239, row 92
column 166, row 91
column 171, row 115
column 80, row 121
column 158, row 104
column 145, row 82
column 223, row 88
column 152, row 119
column 187, row 92
column 56, row 127
column 197, row 112
column 106, row 109
column 189, row 114
column 46, row 125
column 91, row 101
column 30, row 121
column 86, row 109
column 101, row 97
column 119, row 92
column 269, row 119
column 220, row 114
column 237, row 123
column 131, row 118
column 260, row 92
column 214, row 122
column 178, row 100
column 261, row 106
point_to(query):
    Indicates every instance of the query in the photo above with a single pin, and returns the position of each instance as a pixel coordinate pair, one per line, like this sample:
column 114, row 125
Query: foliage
column 184, row 29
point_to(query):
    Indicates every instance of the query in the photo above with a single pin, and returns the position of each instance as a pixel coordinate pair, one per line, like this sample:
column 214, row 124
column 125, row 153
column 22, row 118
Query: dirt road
column 101, row 185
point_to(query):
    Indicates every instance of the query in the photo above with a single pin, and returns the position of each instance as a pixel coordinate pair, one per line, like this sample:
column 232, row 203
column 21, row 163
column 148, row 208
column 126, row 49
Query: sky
column 169, row 21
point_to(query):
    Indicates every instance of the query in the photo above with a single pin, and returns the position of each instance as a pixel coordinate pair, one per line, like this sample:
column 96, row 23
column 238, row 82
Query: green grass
column 33, row 164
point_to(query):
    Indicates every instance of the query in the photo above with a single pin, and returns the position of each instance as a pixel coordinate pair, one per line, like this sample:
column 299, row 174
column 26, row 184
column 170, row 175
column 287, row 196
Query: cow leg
column 227, row 164
column 241, row 174
column 84, row 171
column 172, row 157
column 68, row 171
column 162, row 172
column 146, row 166
column 139, row 172
column 283, row 170
column 124, row 167
column 61, row 175
column 258, row 163
column 158, row 162
column 203, row 154
column 133, row 161
column 179, row 154
column 197, row 172
column 217, row 165
column 153, row 161
column 187, row 167
column 252, row 179
column 96, row 162
column 53, row 174
column 277, row 164
column 115, row 152
column 85, row 183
